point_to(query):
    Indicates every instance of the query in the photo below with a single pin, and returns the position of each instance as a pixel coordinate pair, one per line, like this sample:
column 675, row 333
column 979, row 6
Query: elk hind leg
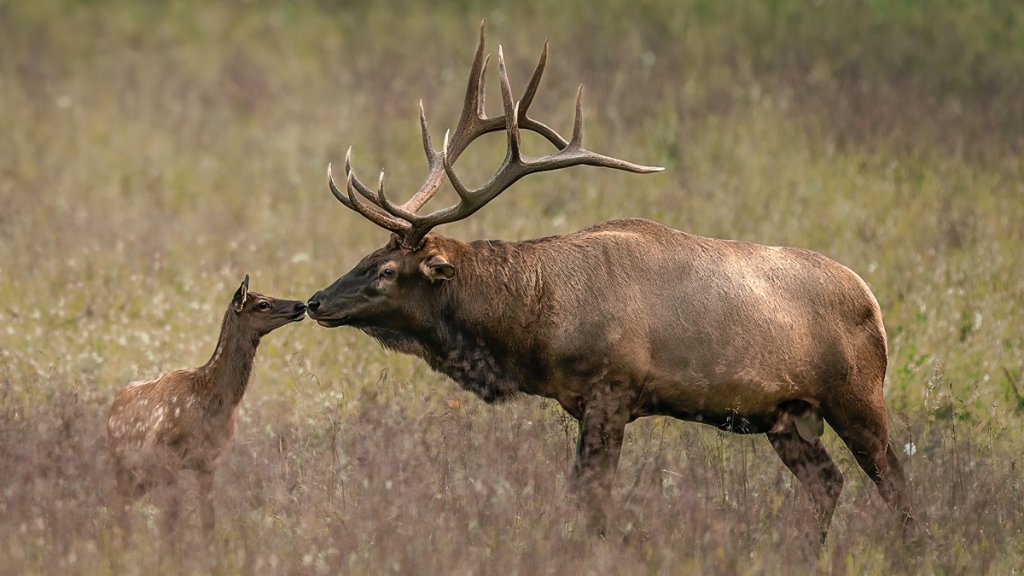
column 799, row 446
column 864, row 428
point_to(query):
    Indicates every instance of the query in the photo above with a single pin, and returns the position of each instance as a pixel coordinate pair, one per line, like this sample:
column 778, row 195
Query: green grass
column 153, row 153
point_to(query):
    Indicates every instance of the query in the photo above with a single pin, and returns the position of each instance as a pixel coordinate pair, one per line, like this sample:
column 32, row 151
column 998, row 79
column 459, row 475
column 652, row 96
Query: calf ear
column 238, row 301
column 437, row 268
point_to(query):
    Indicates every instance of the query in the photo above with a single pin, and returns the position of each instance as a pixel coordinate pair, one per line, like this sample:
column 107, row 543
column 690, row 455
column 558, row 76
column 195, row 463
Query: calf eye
column 264, row 305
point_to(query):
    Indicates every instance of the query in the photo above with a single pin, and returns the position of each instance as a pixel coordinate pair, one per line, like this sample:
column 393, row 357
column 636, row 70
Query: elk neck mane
column 482, row 318
column 498, row 287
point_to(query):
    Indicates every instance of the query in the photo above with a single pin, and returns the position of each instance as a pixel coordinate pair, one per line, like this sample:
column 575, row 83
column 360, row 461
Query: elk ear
column 437, row 268
column 238, row 302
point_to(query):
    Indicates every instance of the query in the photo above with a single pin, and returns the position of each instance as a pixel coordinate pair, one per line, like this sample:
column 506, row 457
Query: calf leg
column 164, row 468
column 811, row 464
column 207, row 514
column 126, row 491
column 170, row 503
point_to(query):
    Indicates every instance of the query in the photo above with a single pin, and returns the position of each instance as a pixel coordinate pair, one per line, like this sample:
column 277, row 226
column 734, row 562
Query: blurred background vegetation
column 151, row 153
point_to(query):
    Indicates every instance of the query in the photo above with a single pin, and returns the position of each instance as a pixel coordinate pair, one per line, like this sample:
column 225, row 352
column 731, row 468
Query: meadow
column 152, row 153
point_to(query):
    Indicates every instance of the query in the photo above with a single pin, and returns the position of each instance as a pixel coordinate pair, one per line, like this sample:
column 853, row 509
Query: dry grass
column 399, row 481
column 153, row 153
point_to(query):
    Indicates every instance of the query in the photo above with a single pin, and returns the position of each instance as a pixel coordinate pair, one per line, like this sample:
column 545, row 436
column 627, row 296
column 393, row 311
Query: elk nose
column 300, row 307
column 313, row 304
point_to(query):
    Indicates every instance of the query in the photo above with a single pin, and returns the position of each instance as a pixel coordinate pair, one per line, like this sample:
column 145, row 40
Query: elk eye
column 388, row 272
column 264, row 305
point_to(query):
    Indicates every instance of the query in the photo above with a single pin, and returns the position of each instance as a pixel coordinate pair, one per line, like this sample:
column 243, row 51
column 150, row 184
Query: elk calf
column 185, row 419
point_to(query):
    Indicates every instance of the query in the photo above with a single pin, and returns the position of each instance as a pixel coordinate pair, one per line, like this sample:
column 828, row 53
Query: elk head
column 389, row 287
column 262, row 314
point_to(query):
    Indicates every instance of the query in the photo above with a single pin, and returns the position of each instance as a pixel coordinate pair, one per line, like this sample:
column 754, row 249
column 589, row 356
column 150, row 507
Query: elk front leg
column 170, row 505
column 207, row 513
column 597, row 456
column 813, row 467
column 126, row 491
column 162, row 467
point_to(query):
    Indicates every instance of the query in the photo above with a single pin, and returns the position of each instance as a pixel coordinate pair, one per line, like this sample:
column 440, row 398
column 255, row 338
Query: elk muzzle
column 316, row 310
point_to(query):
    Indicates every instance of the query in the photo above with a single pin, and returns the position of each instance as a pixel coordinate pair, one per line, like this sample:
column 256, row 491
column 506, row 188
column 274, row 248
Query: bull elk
column 624, row 319
column 185, row 419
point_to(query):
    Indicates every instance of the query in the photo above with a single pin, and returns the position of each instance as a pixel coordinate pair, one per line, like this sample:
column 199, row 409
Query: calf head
column 263, row 314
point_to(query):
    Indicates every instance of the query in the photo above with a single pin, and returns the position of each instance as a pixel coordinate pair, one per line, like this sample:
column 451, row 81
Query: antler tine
column 351, row 202
column 428, row 148
column 511, row 114
column 481, row 100
column 538, row 72
column 378, row 198
column 473, row 108
column 360, row 187
column 575, row 150
column 377, row 217
column 435, row 175
column 337, row 193
column 460, row 189
column 577, row 126
column 528, row 123
column 383, row 201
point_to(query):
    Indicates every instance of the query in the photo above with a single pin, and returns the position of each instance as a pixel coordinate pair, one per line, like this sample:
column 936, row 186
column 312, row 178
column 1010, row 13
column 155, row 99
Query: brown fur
column 629, row 318
column 185, row 419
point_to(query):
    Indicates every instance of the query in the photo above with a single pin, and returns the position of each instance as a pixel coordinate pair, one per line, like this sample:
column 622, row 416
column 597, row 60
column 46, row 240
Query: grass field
column 152, row 153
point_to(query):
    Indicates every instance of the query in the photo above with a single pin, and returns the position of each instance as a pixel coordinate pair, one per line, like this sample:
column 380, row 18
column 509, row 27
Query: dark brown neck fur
column 470, row 340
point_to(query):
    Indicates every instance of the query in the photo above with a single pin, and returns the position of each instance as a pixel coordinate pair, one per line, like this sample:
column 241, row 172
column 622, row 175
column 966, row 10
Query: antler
column 474, row 122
